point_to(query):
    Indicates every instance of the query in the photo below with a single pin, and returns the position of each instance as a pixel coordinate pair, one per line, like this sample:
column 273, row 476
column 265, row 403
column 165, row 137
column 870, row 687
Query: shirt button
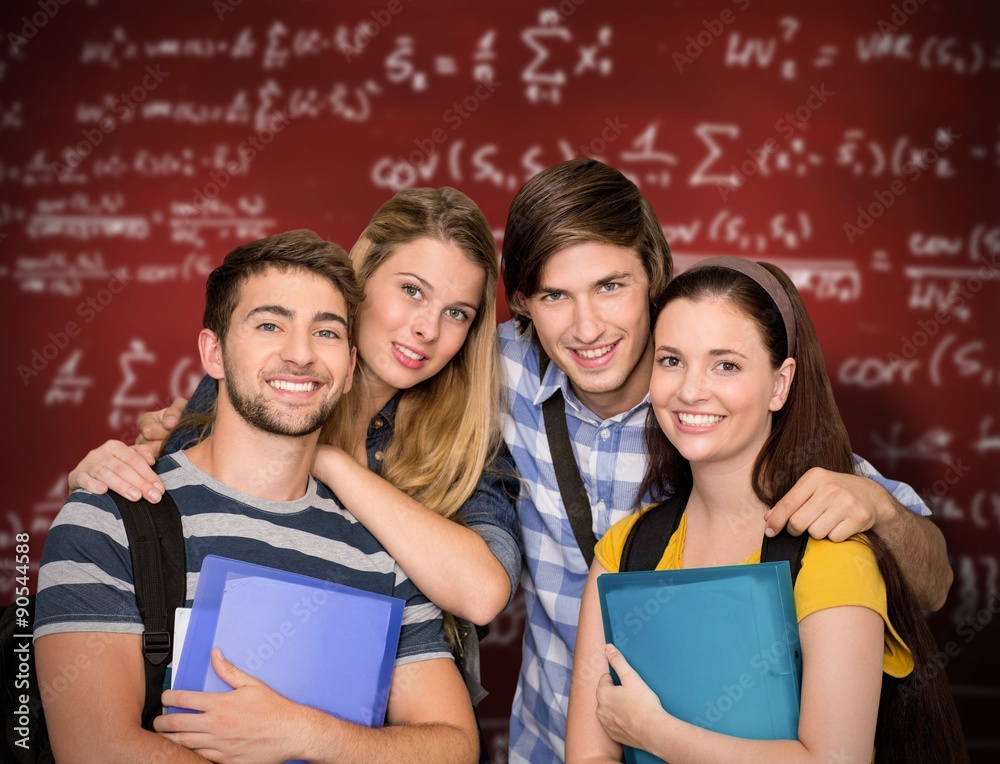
column 601, row 506
column 605, row 434
column 378, row 456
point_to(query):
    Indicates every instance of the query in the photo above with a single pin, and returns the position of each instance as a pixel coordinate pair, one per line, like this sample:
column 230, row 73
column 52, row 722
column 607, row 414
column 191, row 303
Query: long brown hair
column 915, row 723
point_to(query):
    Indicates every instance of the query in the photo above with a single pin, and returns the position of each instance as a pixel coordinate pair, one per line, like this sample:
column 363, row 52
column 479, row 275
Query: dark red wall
column 866, row 135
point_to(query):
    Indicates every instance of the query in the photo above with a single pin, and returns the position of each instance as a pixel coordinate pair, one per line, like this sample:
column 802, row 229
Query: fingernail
column 170, row 421
column 153, row 496
column 159, row 487
column 769, row 532
column 133, row 494
column 610, row 649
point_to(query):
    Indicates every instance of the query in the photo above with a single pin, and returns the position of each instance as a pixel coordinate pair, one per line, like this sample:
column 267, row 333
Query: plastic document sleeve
column 318, row 643
column 719, row 646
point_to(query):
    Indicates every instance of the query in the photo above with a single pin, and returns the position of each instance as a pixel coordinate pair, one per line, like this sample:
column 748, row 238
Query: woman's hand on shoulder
column 124, row 469
column 155, row 426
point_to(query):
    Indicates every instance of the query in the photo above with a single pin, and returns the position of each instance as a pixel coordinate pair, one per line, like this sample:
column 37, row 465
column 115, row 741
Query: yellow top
column 832, row 575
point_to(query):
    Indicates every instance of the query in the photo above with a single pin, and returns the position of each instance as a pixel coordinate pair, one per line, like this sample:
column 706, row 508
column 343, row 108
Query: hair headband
column 766, row 281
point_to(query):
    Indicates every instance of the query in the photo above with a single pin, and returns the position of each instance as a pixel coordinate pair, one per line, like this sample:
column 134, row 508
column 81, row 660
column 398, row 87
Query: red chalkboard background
column 854, row 143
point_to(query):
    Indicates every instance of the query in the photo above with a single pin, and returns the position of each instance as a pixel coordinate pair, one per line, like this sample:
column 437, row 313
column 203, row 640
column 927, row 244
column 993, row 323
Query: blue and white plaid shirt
column 612, row 457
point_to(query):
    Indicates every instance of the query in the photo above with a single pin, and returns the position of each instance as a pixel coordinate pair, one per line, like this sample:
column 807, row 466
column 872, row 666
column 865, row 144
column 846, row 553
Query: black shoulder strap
column 574, row 495
column 156, row 543
column 648, row 538
column 785, row 546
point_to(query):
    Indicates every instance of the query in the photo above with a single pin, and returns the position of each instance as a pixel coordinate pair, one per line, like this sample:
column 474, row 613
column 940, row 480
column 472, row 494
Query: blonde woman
column 414, row 451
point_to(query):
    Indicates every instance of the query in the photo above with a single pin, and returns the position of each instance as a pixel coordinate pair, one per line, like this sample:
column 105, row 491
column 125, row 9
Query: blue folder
column 719, row 646
column 318, row 643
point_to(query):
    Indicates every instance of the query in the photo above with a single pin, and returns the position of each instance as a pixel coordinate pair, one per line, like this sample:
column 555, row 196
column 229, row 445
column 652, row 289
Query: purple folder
column 318, row 643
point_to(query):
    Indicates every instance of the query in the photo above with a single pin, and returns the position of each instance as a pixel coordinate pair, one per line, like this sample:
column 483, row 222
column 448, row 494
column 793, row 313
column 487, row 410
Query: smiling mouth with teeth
column 293, row 387
column 593, row 353
column 699, row 420
column 409, row 353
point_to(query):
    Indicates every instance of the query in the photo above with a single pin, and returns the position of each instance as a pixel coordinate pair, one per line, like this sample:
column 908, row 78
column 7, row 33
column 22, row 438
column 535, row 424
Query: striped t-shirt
column 85, row 581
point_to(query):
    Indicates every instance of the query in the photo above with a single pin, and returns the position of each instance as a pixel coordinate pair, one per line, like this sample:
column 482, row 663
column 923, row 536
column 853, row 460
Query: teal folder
column 321, row 644
column 719, row 646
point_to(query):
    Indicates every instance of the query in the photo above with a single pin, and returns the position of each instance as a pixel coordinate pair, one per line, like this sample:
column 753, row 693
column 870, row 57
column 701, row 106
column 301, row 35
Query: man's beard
column 259, row 413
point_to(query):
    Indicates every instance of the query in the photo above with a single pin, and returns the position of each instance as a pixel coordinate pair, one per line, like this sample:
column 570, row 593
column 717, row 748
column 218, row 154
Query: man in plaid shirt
column 583, row 258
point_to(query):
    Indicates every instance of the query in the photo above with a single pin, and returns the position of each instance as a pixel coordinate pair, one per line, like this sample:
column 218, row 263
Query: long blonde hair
column 448, row 425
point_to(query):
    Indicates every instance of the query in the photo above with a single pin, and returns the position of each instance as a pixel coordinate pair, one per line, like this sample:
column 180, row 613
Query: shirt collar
column 556, row 379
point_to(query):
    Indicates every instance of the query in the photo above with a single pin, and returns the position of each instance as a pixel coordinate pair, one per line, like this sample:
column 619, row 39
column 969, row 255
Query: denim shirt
column 489, row 511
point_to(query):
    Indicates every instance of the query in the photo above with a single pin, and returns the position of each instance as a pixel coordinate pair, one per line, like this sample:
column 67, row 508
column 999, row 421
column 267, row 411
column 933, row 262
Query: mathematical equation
column 82, row 217
column 935, row 52
column 725, row 161
column 937, row 360
column 551, row 40
column 974, row 587
column 70, row 384
column 933, row 445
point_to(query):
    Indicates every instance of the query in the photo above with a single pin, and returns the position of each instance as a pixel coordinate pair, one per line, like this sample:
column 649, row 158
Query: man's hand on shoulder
column 833, row 505
column 836, row 506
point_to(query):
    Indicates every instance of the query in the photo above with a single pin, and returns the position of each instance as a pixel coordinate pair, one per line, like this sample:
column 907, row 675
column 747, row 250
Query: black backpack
column 156, row 543
column 648, row 538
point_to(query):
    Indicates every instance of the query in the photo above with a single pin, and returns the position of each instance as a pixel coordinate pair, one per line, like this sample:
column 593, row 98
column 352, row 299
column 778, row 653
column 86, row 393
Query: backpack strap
column 648, row 538
column 159, row 570
column 785, row 546
column 574, row 495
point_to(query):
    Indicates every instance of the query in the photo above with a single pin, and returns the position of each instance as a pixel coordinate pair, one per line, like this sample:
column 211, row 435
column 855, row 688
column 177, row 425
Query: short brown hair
column 300, row 250
column 574, row 202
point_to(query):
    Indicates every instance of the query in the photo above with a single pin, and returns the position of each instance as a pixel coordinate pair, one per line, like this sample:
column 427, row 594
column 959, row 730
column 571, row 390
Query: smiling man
column 278, row 338
column 583, row 258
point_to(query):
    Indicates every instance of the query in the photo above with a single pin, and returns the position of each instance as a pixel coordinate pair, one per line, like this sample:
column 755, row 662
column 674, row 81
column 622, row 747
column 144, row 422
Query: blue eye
column 268, row 327
column 412, row 291
column 457, row 314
